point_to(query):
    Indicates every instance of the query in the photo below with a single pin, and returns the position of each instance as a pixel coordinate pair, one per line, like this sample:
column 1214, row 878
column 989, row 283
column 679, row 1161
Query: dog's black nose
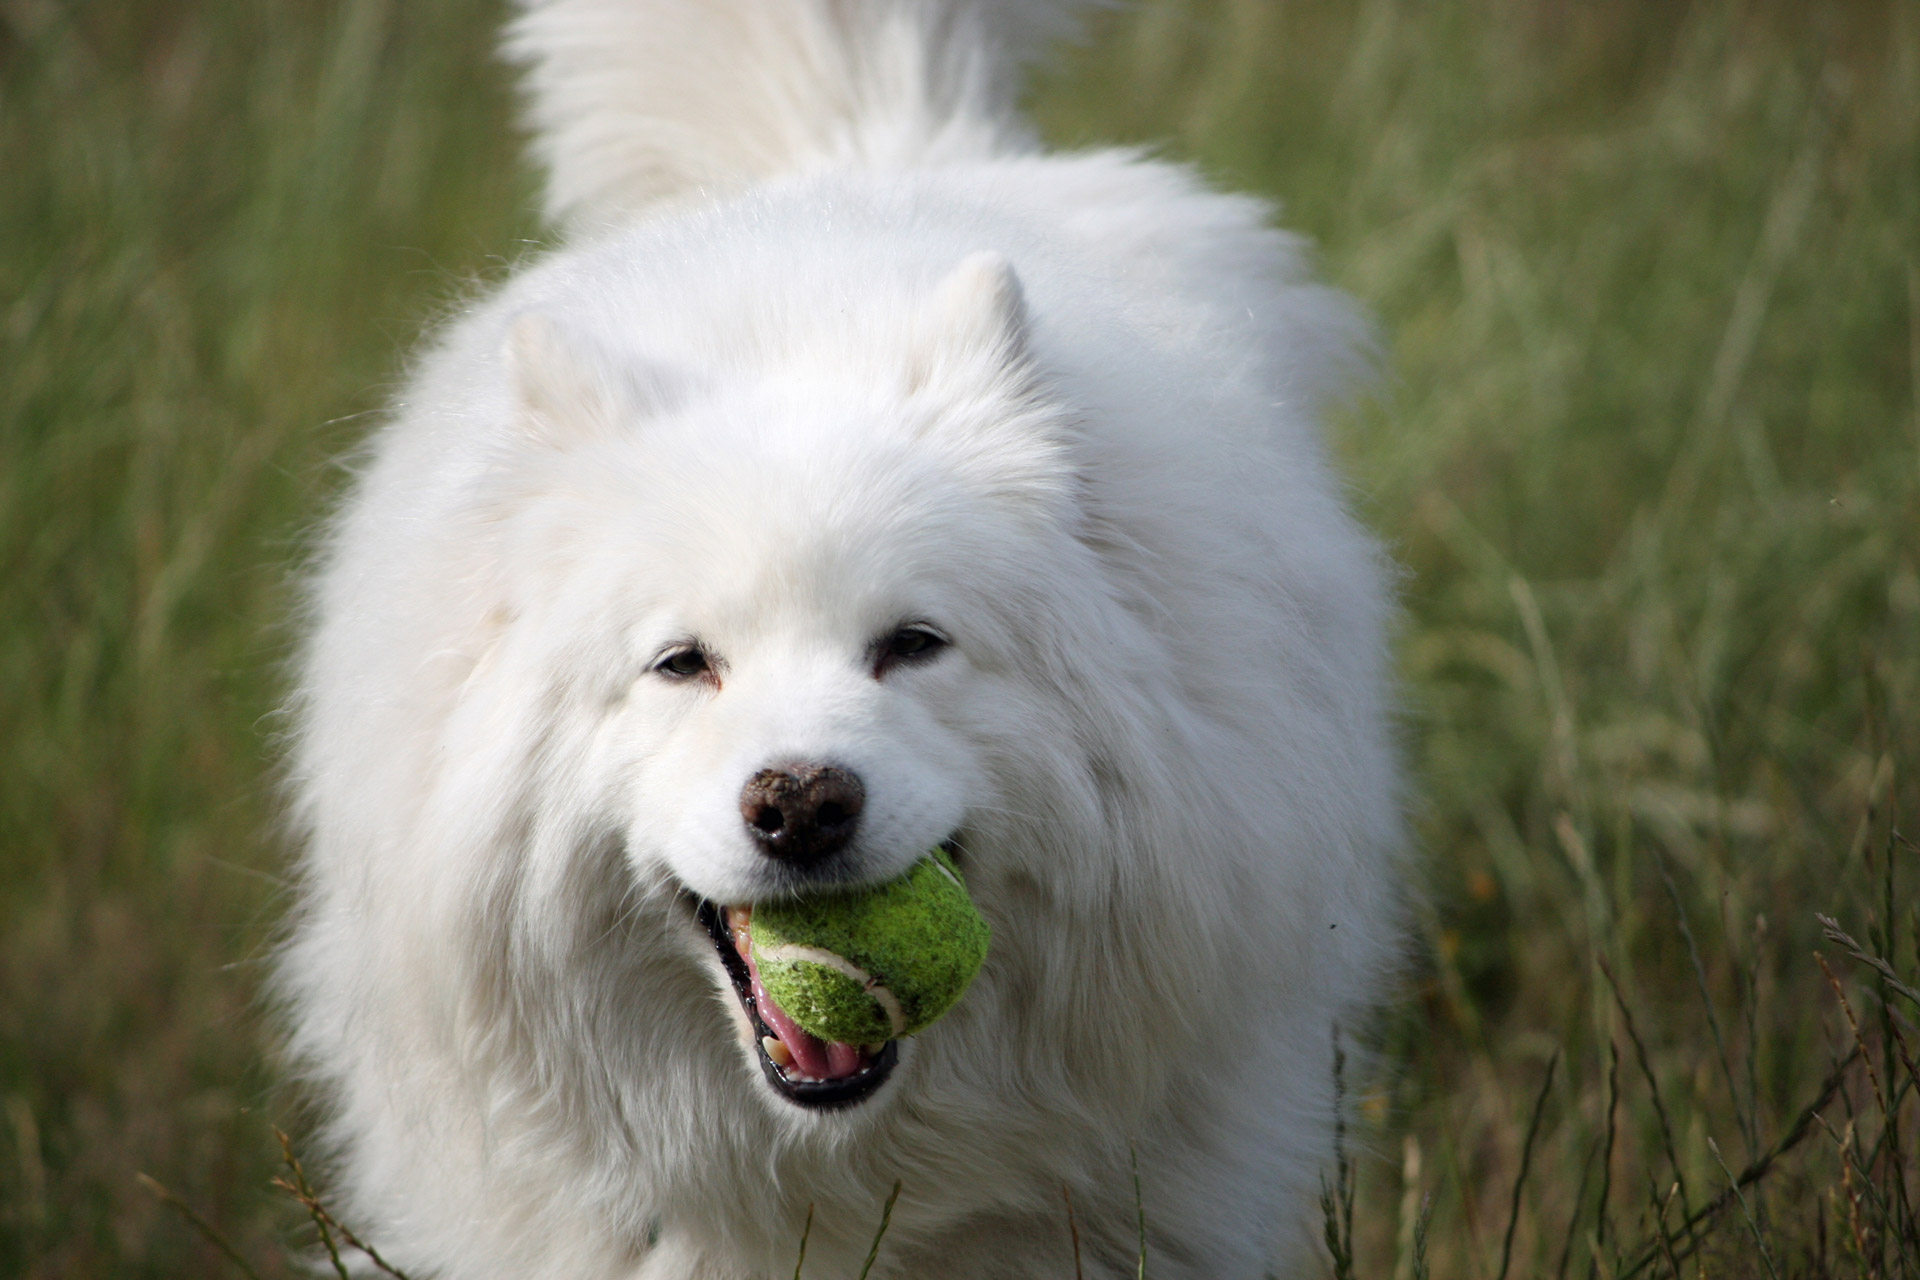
column 800, row 813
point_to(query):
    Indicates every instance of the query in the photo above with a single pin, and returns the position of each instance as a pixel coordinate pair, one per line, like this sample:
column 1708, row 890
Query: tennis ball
column 875, row 964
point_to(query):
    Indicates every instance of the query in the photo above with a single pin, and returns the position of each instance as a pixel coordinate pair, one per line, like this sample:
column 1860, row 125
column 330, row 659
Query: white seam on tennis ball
column 789, row 952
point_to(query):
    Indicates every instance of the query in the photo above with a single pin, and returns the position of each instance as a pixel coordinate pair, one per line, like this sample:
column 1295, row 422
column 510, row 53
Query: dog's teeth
column 777, row 1050
column 873, row 1050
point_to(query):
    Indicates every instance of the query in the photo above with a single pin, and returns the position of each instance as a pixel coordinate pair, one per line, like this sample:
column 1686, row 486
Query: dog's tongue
column 812, row 1056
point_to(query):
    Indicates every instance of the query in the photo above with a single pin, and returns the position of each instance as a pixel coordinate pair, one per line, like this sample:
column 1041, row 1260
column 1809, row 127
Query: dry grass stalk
column 199, row 1224
column 329, row 1226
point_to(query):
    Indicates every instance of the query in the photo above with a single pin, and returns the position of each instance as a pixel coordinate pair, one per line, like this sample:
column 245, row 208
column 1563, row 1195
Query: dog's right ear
column 975, row 321
column 567, row 390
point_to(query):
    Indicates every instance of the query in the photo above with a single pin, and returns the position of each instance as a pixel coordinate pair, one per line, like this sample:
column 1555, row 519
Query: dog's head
column 810, row 609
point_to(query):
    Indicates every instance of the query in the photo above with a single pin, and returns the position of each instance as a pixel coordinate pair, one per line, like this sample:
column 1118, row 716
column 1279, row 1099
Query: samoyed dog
column 856, row 479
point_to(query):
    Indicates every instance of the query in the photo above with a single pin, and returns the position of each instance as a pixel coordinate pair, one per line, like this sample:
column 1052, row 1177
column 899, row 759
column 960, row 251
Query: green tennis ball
column 875, row 964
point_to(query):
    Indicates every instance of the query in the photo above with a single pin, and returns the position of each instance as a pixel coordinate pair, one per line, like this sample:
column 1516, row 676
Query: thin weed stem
column 1139, row 1213
column 302, row 1190
column 1894, row 1043
column 1802, row 1125
column 886, row 1216
column 1336, row 1203
column 1664, row 1237
column 805, row 1231
column 1603, row 1212
column 1573, row 1222
column 1853, row 1025
column 1420, row 1237
column 1073, row 1229
column 1706, row 999
column 1653, row 1086
column 1346, row 1171
column 1851, row 1164
column 1752, row 1002
column 1840, row 937
column 199, row 1224
column 1526, row 1164
column 1746, row 1211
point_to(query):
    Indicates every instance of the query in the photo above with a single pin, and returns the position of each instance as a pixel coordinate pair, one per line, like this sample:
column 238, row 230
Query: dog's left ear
column 567, row 390
column 977, row 320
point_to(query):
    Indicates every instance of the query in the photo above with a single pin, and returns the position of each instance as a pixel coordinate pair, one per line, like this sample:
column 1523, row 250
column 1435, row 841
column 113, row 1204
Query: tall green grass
column 220, row 223
column 1648, row 277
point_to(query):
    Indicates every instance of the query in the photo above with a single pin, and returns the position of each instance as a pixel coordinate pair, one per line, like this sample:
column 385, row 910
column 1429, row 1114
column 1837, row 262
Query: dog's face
column 802, row 659
column 801, row 599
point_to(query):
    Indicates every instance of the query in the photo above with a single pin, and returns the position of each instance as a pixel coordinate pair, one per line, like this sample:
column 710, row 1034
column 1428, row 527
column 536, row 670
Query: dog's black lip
column 818, row 1095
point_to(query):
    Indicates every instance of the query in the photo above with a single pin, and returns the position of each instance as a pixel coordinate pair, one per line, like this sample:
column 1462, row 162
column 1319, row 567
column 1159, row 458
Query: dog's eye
column 909, row 644
column 684, row 664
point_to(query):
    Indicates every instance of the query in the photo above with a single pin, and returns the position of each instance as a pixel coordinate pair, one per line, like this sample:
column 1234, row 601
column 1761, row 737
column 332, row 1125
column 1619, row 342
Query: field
column 1647, row 441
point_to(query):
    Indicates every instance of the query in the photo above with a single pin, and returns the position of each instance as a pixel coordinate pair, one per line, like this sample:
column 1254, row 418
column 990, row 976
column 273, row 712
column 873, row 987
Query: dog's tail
column 638, row 101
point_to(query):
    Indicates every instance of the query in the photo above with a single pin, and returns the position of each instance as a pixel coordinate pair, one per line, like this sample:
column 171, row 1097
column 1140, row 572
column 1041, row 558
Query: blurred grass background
column 1649, row 278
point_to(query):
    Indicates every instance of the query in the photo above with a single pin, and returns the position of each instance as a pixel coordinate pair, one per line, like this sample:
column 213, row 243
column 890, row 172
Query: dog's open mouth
column 801, row 1067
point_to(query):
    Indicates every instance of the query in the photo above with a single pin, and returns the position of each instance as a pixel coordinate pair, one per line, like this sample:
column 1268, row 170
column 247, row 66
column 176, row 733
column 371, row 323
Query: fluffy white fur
column 835, row 347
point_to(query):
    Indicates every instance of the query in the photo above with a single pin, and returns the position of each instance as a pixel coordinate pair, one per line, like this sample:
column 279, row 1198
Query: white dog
column 858, row 479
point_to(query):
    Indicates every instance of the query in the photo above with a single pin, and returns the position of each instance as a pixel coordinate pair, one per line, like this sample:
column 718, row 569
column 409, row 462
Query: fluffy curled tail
column 638, row 101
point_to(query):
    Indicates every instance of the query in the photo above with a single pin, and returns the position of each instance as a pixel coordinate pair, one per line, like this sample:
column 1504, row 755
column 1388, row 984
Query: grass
column 1649, row 280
